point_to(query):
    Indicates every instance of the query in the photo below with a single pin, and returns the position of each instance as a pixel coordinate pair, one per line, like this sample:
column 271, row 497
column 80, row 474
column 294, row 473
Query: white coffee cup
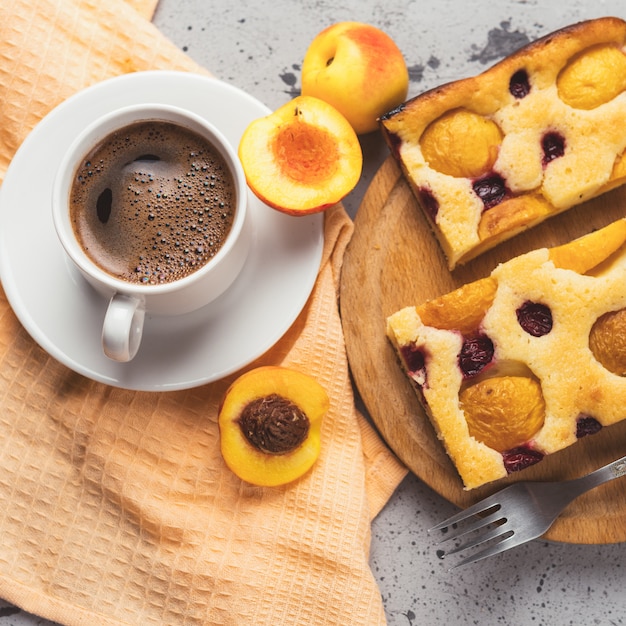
column 129, row 302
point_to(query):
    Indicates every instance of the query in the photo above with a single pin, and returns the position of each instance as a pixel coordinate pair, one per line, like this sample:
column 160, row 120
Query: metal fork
column 518, row 513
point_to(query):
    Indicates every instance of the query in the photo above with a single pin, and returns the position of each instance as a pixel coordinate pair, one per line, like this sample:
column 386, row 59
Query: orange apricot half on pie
column 503, row 412
column 270, row 421
column 302, row 158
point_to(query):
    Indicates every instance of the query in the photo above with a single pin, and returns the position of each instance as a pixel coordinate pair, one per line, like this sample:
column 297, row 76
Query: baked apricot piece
column 270, row 420
column 503, row 412
column 461, row 143
column 585, row 253
column 607, row 341
column 513, row 215
column 593, row 77
column 302, row 158
column 462, row 309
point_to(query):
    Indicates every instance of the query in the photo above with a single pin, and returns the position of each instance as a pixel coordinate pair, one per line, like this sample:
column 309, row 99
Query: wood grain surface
column 392, row 261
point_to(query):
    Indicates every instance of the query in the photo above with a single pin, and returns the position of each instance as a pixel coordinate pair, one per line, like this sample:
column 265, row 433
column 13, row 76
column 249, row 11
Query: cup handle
column 123, row 327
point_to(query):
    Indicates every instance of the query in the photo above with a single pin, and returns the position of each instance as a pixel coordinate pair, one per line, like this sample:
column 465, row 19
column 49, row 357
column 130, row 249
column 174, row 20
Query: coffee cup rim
column 97, row 130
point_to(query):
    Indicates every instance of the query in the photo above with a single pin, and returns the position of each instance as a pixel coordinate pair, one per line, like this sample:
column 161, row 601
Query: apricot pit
column 303, row 158
column 270, row 421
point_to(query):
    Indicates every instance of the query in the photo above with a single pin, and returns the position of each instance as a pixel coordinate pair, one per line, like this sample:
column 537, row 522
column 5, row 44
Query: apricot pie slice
column 540, row 132
column 524, row 362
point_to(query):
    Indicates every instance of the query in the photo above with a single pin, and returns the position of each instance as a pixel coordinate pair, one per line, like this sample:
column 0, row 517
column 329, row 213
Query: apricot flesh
column 462, row 309
column 607, row 341
column 461, row 144
column 513, row 214
column 302, row 158
column 270, row 421
column 503, row 412
column 595, row 76
column 585, row 253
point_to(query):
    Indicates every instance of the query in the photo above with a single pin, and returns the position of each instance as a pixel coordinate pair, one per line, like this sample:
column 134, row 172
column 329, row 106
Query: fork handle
column 604, row 474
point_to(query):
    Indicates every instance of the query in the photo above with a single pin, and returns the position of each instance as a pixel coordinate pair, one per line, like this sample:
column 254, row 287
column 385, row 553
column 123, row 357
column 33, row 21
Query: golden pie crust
column 531, row 319
column 538, row 133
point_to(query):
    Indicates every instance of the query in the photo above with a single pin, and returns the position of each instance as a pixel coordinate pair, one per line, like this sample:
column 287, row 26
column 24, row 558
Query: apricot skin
column 462, row 309
column 302, row 158
column 247, row 461
column 607, row 341
column 585, row 253
column 503, row 412
column 462, row 144
column 359, row 70
column 594, row 77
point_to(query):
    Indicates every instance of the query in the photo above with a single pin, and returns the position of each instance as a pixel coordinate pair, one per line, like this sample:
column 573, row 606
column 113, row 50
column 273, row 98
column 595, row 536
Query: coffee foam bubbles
column 152, row 203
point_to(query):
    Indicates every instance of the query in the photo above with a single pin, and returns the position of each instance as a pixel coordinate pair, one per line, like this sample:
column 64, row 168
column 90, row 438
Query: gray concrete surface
column 259, row 46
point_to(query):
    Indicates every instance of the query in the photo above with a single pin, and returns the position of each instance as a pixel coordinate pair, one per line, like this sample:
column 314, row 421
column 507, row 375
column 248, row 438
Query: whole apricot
column 607, row 341
column 593, row 77
column 302, row 158
column 270, row 420
column 358, row 69
column 461, row 143
column 503, row 412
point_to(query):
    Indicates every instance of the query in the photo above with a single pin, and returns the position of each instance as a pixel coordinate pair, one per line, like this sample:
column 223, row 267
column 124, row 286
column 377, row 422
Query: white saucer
column 64, row 315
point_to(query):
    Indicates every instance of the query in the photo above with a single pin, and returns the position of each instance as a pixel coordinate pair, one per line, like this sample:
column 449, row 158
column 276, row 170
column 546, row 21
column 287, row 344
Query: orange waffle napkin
column 116, row 505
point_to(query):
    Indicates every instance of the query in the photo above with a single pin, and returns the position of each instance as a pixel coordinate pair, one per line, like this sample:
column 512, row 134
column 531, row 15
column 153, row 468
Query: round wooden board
column 392, row 261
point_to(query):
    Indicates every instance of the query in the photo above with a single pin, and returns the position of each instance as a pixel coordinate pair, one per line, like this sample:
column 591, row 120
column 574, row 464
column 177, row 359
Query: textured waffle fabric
column 116, row 505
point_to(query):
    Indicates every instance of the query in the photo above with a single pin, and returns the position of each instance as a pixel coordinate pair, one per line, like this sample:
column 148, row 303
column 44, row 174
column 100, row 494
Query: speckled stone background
column 259, row 46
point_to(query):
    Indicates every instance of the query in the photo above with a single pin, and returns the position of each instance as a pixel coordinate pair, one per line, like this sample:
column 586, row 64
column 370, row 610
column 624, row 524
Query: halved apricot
column 461, row 143
column 302, row 158
column 513, row 215
column 593, row 77
column 607, row 341
column 587, row 252
column 462, row 309
column 503, row 412
column 270, row 421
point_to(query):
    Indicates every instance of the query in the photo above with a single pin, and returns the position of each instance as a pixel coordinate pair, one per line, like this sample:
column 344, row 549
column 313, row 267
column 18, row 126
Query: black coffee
column 152, row 203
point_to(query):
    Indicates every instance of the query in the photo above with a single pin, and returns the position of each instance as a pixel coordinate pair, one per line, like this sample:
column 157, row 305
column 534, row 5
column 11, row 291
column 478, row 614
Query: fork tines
column 484, row 515
column 519, row 513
